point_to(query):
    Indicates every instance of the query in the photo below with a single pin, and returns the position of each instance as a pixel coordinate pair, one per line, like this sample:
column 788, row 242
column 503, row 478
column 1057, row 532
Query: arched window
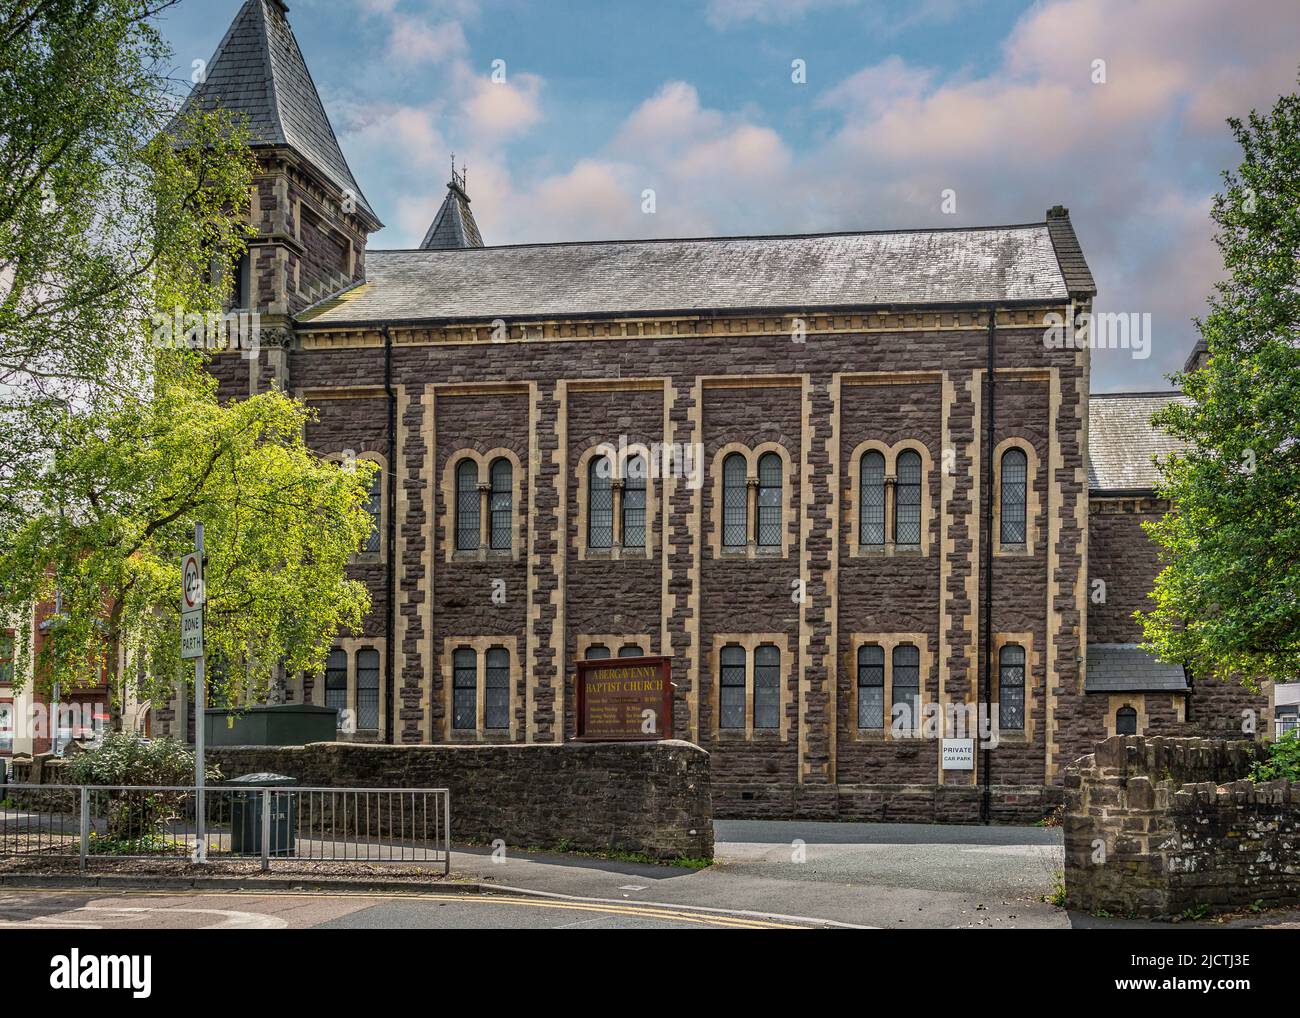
column 630, row 650
column 600, row 504
column 464, row 689
column 496, row 689
column 1014, row 474
column 871, row 485
column 597, row 652
column 368, row 690
column 907, row 684
column 467, row 513
column 374, row 504
column 907, row 509
column 871, row 686
column 634, row 477
column 769, row 499
column 1126, row 721
column 767, row 686
column 731, row 691
column 735, row 508
column 501, row 504
column 336, row 682
column 1011, row 688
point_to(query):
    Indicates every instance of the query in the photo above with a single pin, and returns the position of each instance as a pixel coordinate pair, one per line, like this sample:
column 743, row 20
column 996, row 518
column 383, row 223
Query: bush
column 1283, row 760
column 125, row 758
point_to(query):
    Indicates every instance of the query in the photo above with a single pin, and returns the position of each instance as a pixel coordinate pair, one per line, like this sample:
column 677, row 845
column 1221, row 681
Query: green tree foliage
column 1227, row 601
column 1283, row 761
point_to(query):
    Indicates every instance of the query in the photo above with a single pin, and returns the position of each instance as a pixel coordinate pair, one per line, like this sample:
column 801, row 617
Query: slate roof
column 454, row 225
column 909, row 267
column 1127, row 668
column 258, row 70
column 1122, row 441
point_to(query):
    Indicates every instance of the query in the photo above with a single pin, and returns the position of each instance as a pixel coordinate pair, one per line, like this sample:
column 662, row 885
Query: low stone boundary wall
column 892, row 803
column 651, row 798
column 1156, row 826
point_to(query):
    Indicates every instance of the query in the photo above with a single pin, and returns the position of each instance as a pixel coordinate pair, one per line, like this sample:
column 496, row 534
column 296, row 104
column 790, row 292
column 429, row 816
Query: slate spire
column 258, row 71
column 454, row 224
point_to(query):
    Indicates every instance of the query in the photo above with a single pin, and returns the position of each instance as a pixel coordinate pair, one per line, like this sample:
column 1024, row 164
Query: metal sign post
column 193, row 597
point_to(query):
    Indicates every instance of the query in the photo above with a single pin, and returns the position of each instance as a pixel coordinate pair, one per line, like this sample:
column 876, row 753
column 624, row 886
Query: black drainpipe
column 391, row 540
column 987, row 544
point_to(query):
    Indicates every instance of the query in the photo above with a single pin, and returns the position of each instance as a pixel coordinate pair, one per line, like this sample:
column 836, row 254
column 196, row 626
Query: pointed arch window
column 634, row 502
column 501, row 504
column 1015, row 468
column 735, row 510
column 1011, row 688
column 467, row 506
column 871, row 482
column 600, row 504
column 769, row 500
column 907, row 512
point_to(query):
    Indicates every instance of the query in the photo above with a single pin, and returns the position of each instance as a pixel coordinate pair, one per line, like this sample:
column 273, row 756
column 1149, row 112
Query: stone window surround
column 447, row 523
column 615, row 642
column 381, row 555
column 480, row 645
column 853, row 510
column 1032, row 503
column 887, row 642
column 752, row 549
column 1026, row 641
column 350, row 645
column 750, row 642
column 619, row 457
column 1115, row 701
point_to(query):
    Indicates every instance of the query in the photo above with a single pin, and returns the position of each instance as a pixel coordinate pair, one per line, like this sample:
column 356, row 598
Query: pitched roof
column 454, row 225
column 1127, row 668
column 907, row 267
column 1122, row 441
column 258, row 71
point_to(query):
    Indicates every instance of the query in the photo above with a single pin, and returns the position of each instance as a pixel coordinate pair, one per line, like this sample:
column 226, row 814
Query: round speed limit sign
column 191, row 582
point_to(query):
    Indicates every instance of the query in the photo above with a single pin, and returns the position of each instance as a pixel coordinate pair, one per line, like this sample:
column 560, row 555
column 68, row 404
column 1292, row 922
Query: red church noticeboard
column 625, row 698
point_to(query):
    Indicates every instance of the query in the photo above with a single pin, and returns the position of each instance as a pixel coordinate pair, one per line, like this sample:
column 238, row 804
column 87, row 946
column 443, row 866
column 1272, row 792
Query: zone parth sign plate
column 625, row 699
column 192, row 634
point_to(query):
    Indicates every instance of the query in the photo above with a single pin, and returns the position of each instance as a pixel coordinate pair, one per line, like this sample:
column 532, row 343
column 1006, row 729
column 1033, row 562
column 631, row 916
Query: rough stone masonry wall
column 649, row 798
column 1155, row 826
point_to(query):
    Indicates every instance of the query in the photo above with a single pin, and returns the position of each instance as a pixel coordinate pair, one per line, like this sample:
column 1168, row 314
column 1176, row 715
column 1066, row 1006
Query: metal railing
column 272, row 824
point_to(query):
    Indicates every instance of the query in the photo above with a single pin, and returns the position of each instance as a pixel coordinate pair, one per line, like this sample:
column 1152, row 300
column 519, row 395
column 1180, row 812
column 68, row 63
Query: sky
column 1114, row 108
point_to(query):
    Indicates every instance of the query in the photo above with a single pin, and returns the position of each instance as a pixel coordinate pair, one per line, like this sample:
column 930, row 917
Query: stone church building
column 827, row 475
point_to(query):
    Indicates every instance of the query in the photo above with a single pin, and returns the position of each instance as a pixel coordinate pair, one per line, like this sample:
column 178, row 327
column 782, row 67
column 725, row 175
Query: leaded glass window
column 907, row 682
column 1014, row 475
column 769, row 499
column 374, row 503
column 871, row 686
column 336, row 682
column 368, row 690
column 634, row 487
column 597, row 652
column 496, row 689
column 735, row 502
column 767, row 686
column 630, row 650
column 1011, row 688
column 501, row 504
column 600, row 504
column 872, row 497
column 467, row 511
column 731, row 698
column 464, row 689
column 907, row 512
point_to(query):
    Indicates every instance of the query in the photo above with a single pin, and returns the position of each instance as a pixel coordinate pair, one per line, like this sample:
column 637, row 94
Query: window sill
column 757, row 735
column 890, row 551
column 1013, row 551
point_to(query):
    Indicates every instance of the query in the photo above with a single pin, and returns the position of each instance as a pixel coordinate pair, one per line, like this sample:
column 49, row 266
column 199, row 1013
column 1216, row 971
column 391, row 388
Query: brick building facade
column 880, row 488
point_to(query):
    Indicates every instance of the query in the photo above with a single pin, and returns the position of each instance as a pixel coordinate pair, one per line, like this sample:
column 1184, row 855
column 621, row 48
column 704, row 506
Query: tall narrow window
column 634, row 476
column 1126, row 721
column 735, row 507
column 496, row 691
column 501, row 505
column 374, row 504
column 871, row 686
column 769, row 499
column 467, row 511
column 368, row 690
column 1011, row 688
column 907, row 685
column 6, row 660
column 600, row 504
column 731, row 687
column 464, row 689
column 907, row 511
column 630, row 650
column 336, row 683
column 871, row 528
column 767, row 686
column 1014, row 474
column 597, row 652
